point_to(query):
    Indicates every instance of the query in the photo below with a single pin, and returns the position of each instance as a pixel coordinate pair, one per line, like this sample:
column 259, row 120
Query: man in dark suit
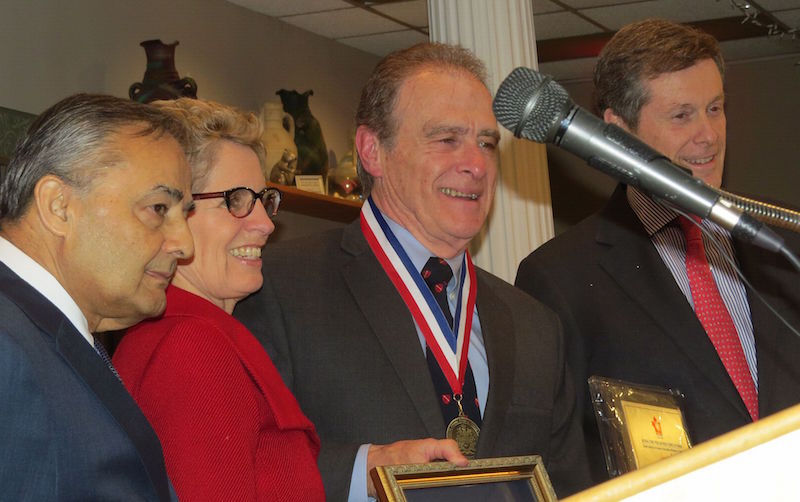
column 92, row 221
column 378, row 361
column 619, row 280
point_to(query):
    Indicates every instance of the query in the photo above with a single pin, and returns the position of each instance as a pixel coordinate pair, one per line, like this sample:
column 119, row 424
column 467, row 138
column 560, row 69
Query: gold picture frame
column 511, row 479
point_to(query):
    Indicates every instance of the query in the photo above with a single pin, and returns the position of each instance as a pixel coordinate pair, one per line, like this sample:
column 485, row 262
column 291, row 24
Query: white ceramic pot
column 278, row 134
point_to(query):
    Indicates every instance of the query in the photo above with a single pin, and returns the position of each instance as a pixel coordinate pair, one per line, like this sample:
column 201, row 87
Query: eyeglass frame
column 226, row 194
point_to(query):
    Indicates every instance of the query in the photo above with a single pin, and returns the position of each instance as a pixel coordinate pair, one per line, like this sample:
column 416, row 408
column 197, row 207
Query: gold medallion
column 464, row 432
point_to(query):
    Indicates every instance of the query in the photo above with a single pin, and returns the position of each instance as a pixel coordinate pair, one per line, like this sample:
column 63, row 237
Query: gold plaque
column 639, row 424
column 655, row 432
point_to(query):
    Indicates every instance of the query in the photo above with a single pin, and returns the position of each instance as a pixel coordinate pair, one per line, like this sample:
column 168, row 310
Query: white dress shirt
column 43, row 281
column 667, row 237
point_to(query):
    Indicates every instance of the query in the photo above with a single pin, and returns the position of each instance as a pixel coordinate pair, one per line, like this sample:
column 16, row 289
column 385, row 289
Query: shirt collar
column 419, row 254
column 45, row 283
column 654, row 216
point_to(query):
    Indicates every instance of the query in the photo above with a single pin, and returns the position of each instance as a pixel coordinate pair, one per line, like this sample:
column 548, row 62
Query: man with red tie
column 642, row 294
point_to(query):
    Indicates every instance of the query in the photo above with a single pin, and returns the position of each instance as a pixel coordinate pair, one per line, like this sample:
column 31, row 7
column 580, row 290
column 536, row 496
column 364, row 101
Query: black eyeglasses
column 242, row 200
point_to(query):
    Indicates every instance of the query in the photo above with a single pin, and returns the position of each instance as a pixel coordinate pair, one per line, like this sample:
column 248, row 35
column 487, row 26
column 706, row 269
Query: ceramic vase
column 161, row 79
column 278, row 135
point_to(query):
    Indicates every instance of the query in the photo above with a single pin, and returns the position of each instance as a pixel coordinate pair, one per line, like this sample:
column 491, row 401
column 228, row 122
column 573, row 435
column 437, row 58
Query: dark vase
column 161, row 79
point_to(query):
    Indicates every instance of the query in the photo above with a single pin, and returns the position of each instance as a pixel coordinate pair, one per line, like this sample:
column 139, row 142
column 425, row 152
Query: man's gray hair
column 71, row 139
column 376, row 106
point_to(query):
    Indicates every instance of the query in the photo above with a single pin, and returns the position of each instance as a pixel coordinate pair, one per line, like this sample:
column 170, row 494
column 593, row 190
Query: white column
column 500, row 32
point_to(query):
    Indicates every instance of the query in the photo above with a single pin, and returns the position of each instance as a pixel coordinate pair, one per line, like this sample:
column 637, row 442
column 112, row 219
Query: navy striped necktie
column 437, row 274
column 101, row 350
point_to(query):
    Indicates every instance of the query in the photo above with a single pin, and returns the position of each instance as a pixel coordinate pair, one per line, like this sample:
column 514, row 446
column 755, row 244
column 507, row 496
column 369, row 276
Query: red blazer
column 230, row 428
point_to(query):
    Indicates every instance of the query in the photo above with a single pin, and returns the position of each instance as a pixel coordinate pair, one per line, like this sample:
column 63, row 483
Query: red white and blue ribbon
column 449, row 346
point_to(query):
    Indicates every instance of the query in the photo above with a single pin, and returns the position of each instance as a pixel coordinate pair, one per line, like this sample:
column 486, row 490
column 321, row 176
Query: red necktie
column 715, row 318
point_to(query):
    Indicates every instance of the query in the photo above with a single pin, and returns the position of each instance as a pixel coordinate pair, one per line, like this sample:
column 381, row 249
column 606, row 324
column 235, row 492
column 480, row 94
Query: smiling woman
column 230, row 428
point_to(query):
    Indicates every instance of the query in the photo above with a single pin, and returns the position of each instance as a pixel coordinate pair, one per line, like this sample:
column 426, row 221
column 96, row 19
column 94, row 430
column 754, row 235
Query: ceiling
column 569, row 33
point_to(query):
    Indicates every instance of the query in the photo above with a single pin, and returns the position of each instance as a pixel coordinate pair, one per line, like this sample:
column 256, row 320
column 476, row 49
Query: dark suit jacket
column 68, row 428
column 625, row 317
column 346, row 345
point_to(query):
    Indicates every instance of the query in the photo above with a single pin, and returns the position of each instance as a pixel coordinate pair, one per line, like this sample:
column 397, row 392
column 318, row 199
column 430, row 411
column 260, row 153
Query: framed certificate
column 639, row 424
column 503, row 479
column 310, row 183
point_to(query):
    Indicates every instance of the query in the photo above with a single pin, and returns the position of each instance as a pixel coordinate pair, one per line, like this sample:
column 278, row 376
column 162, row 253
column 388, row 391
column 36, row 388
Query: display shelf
column 317, row 205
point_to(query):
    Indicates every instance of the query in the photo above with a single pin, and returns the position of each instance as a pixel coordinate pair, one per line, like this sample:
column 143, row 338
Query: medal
column 464, row 431
column 449, row 345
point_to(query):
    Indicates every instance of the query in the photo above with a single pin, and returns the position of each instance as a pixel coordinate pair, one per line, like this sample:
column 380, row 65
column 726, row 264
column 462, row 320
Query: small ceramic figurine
column 284, row 170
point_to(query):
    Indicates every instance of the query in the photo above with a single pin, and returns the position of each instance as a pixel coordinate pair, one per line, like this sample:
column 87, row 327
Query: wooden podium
column 754, row 462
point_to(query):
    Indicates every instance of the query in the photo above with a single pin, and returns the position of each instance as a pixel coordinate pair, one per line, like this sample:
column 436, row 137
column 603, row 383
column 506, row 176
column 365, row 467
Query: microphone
column 535, row 107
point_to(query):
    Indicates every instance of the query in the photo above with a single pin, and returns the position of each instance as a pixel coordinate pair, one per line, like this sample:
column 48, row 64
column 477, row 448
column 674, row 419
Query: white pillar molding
column 501, row 33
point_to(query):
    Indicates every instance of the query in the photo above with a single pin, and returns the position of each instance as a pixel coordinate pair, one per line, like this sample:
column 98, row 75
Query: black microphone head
column 531, row 105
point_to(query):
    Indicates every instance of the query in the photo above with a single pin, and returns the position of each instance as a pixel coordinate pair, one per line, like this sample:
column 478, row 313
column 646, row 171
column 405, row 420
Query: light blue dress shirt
column 419, row 255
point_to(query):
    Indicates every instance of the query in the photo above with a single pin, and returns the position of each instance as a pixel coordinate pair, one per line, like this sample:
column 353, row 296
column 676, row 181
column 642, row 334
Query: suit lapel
column 636, row 267
column 390, row 320
column 498, row 338
column 94, row 371
column 88, row 365
column 777, row 348
column 767, row 331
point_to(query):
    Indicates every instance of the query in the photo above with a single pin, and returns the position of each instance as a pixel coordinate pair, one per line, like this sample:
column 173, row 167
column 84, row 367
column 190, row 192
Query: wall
column 50, row 49
column 763, row 103
column 763, row 137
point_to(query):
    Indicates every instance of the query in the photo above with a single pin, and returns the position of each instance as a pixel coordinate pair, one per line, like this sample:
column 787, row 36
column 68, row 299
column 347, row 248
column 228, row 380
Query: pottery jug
column 161, row 79
column 312, row 154
column 278, row 134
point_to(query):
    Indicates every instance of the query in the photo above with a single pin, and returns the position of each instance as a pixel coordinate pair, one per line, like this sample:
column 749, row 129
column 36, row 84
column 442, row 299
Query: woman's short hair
column 208, row 123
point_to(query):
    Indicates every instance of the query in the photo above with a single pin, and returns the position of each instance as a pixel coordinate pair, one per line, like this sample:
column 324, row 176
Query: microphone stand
column 766, row 213
column 769, row 214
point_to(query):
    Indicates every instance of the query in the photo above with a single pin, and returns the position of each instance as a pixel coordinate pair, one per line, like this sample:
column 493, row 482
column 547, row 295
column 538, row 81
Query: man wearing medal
column 389, row 337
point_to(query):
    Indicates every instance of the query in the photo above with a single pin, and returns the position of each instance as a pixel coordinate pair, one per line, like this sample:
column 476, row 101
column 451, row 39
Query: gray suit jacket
column 68, row 428
column 347, row 347
column 625, row 317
